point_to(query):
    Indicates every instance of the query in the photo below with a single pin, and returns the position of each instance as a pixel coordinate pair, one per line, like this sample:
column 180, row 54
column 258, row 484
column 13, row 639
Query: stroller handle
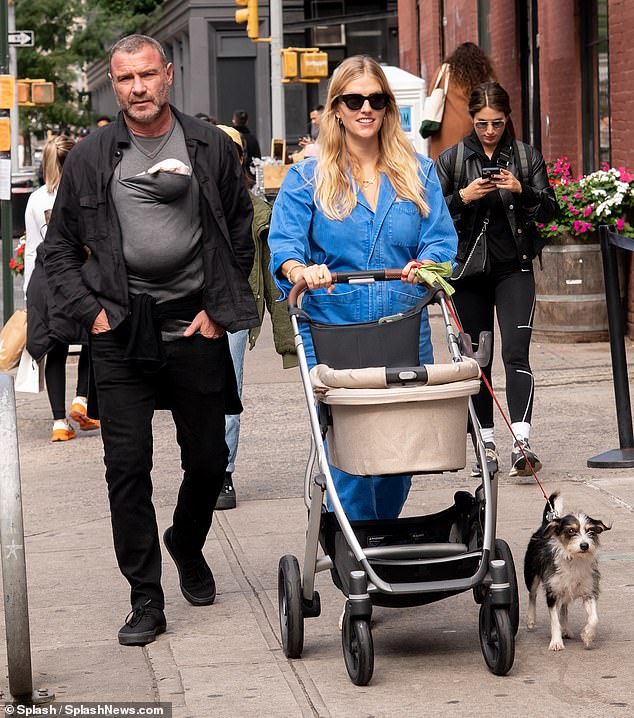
column 355, row 277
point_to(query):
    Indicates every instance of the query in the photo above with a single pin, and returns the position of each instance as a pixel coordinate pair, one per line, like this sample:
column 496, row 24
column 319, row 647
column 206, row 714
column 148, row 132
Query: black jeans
column 192, row 385
column 511, row 293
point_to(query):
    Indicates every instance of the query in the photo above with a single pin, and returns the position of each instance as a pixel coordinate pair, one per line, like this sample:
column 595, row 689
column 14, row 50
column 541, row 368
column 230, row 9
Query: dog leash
column 552, row 514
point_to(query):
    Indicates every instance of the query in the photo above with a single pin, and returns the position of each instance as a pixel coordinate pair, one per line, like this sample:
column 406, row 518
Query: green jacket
column 264, row 289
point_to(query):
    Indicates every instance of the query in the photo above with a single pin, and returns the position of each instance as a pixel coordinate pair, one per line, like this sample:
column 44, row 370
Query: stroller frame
column 493, row 581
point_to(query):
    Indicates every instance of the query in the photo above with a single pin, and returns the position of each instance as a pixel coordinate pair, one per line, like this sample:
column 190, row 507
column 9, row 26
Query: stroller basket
column 391, row 341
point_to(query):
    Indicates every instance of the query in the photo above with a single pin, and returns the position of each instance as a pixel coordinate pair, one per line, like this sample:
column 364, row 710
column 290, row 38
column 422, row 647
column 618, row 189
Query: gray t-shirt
column 160, row 221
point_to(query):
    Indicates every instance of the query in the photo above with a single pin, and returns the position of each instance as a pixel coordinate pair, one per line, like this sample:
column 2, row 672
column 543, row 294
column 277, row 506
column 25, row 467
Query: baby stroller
column 383, row 414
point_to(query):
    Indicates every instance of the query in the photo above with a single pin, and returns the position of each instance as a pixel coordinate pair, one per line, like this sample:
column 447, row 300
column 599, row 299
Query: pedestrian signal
column 24, row 92
column 42, row 93
column 289, row 65
column 249, row 14
column 35, row 92
column 313, row 65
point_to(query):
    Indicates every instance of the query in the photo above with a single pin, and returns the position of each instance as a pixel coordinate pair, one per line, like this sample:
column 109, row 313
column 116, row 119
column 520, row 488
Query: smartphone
column 489, row 172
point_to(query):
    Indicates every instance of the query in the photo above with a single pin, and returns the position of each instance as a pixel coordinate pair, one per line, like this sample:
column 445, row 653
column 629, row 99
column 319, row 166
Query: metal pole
column 16, row 606
column 617, row 343
column 16, row 610
column 6, row 229
column 278, row 119
column 623, row 457
column 15, row 117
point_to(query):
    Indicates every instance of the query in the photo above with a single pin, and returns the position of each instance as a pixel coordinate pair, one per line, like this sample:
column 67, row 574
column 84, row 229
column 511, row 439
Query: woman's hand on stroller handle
column 313, row 276
column 408, row 275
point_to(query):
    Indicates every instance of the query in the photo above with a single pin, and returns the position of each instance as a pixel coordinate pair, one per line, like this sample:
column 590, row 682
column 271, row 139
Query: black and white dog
column 563, row 555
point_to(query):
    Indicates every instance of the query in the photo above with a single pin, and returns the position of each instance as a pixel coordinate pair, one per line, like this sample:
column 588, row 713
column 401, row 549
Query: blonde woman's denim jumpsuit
column 389, row 237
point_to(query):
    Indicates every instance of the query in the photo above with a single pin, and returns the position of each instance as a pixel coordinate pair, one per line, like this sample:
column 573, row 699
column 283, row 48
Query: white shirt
column 35, row 223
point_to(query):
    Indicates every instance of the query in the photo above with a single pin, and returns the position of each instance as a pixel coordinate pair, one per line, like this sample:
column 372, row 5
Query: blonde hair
column 335, row 191
column 53, row 157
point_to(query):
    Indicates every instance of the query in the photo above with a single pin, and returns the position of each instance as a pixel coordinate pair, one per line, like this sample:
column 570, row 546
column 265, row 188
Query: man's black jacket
column 84, row 252
column 537, row 203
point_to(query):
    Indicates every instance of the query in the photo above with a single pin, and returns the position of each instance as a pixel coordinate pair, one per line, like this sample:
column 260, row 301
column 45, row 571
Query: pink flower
column 620, row 223
column 564, row 198
column 553, row 228
column 588, row 211
column 578, row 195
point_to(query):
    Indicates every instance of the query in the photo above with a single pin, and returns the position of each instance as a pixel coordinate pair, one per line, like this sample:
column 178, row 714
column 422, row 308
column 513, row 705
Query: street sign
column 22, row 38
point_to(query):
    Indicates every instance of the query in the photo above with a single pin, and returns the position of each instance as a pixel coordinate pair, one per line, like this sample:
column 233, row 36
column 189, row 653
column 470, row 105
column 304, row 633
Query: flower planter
column 570, row 301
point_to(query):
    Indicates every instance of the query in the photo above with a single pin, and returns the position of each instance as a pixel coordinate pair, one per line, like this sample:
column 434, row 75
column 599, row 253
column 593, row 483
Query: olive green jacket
column 264, row 290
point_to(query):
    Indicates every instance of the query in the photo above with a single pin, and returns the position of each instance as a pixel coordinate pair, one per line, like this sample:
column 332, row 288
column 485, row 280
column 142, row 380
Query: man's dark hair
column 240, row 117
column 318, row 108
column 134, row 43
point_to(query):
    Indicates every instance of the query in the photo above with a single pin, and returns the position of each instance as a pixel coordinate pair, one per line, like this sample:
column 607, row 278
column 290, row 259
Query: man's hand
column 206, row 326
column 101, row 323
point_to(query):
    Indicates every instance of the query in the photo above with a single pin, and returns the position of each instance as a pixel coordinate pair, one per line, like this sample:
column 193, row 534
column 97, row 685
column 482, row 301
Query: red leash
column 454, row 316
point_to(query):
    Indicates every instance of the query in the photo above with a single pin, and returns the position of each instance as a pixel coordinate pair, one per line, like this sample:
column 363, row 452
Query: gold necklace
column 367, row 182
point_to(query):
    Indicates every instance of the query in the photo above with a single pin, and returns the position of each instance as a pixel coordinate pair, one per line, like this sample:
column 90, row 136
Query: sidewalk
column 226, row 660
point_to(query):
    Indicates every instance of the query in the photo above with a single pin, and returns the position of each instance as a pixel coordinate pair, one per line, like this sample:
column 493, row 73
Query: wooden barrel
column 570, row 296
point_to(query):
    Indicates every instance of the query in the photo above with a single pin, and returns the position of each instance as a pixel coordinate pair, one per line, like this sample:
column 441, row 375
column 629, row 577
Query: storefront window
column 603, row 69
column 595, row 71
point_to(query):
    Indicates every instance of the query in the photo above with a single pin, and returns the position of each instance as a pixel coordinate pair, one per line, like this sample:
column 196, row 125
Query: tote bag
column 30, row 375
column 12, row 340
column 434, row 106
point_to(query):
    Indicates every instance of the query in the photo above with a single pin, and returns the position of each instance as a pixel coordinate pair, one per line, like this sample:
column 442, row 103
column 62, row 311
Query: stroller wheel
column 503, row 551
column 496, row 638
column 289, row 596
column 358, row 649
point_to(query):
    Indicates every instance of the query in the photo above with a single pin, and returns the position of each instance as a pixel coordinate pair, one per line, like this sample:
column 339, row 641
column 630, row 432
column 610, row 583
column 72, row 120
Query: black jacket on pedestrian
column 252, row 145
column 46, row 323
column 84, row 253
column 537, row 203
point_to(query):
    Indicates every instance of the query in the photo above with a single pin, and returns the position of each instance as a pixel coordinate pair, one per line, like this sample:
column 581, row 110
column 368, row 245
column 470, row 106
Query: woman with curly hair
column 468, row 67
column 367, row 202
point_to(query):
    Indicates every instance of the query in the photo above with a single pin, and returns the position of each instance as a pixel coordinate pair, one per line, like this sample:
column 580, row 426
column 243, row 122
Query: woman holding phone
column 496, row 189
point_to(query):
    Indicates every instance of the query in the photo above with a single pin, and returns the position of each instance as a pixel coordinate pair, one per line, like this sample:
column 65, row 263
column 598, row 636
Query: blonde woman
column 49, row 331
column 367, row 202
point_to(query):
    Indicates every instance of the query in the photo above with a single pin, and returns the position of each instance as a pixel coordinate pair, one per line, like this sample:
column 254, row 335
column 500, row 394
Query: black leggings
column 55, row 373
column 512, row 294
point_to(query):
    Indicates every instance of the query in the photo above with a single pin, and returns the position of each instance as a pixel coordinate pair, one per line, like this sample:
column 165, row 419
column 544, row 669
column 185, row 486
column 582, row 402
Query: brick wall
column 621, row 21
column 505, row 54
column 560, row 79
column 408, row 36
column 429, row 38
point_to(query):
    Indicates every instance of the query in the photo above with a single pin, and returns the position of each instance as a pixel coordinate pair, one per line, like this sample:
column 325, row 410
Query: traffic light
column 290, row 68
column 35, row 92
column 249, row 14
column 313, row 65
column 42, row 93
column 24, row 92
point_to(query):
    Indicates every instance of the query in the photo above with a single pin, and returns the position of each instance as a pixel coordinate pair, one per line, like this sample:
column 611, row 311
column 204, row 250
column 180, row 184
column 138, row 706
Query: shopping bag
column 12, row 340
column 30, row 375
column 434, row 106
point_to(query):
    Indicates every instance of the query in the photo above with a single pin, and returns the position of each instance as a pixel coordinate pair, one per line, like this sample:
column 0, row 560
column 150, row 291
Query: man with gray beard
column 150, row 248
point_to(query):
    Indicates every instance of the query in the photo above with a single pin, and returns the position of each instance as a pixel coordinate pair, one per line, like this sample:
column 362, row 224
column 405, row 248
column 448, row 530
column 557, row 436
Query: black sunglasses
column 377, row 100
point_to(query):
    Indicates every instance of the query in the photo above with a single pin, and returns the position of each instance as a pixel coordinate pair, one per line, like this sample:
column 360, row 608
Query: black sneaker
column 196, row 579
column 142, row 625
column 227, row 497
column 519, row 464
column 493, row 460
